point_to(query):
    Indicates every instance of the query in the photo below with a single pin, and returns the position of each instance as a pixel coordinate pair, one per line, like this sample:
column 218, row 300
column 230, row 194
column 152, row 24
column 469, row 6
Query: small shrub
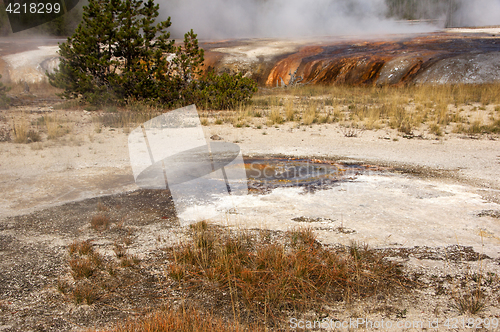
column 222, row 92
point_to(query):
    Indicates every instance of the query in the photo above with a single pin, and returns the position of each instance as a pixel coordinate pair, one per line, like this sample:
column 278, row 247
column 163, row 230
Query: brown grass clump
column 183, row 320
column 100, row 222
column 84, row 261
column 81, row 268
column 267, row 278
column 80, row 247
column 85, row 293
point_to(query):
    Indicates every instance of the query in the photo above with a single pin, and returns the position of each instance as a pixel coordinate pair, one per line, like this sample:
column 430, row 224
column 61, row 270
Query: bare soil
column 50, row 190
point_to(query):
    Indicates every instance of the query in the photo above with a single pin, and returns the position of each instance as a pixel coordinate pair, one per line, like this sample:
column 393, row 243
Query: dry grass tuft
column 81, row 267
column 20, row 132
column 435, row 129
column 310, row 115
column 80, row 247
column 275, row 117
column 290, row 110
column 84, row 260
column 85, row 293
column 55, row 129
column 267, row 278
column 100, row 222
column 470, row 302
column 183, row 320
column 403, row 108
column 102, row 207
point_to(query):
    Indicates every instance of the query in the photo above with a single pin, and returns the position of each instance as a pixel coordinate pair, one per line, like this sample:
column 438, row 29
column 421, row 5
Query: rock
column 216, row 138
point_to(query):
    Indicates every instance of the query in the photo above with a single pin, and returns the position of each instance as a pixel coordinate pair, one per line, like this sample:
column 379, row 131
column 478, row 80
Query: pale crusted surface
column 451, row 176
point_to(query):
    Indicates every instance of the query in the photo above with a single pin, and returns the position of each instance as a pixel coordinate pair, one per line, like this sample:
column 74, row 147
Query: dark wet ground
column 267, row 173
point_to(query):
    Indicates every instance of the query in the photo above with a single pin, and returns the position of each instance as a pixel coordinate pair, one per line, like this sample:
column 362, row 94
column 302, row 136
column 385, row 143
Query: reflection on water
column 267, row 173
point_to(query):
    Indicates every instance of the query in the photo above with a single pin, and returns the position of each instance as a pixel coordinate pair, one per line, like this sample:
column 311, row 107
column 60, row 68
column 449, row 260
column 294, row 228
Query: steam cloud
column 478, row 13
column 295, row 18
column 280, row 18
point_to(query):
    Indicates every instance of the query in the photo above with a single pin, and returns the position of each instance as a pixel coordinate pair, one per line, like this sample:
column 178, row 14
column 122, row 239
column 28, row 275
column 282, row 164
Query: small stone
column 216, row 138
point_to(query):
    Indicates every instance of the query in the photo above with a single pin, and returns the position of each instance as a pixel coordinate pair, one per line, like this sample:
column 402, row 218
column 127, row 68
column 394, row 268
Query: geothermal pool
column 345, row 203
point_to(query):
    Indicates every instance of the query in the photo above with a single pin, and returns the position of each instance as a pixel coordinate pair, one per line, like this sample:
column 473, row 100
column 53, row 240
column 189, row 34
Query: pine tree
column 119, row 53
column 88, row 68
column 116, row 53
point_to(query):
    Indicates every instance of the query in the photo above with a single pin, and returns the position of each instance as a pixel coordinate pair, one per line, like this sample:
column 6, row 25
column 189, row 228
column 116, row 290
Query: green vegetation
column 118, row 54
column 4, row 100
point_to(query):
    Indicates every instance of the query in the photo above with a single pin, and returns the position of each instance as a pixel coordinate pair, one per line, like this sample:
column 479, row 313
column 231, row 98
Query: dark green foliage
column 4, row 100
column 119, row 54
column 224, row 91
column 114, row 55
